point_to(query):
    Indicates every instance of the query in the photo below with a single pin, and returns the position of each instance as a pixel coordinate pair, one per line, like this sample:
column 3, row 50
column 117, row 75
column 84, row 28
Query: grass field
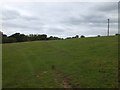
column 85, row 63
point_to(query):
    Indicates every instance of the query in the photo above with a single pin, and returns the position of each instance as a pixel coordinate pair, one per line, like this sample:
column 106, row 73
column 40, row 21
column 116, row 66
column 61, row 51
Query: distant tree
column 57, row 38
column 117, row 34
column 73, row 37
column 54, row 38
column 77, row 36
column 51, row 38
column 23, row 38
column 43, row 37
column 8, row 39
column 16, row 36
column 31, row 37
column 34, row 37
column 4, row 35
column 62, row 38
column 82, row 36
column 98, row 35
column 11, row 40
column 19, row 37
column 5, row 39
column 1, row 37
column 68, row 38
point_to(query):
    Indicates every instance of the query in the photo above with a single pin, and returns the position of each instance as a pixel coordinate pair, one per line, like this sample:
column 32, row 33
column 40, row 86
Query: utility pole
column 108, row 26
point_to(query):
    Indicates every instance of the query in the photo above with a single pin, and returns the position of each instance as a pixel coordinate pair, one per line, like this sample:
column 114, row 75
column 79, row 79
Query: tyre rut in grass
column 62, row 79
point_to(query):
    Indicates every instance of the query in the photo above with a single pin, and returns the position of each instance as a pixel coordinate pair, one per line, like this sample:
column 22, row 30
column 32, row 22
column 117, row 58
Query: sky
column 61, row 19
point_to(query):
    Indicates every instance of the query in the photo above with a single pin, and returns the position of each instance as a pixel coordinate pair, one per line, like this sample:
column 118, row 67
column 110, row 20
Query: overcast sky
column 62, row 19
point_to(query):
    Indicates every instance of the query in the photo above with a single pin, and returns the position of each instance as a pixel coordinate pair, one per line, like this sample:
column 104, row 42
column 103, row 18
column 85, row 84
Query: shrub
column 117, row 34
column 82, row 36
column 98, row 35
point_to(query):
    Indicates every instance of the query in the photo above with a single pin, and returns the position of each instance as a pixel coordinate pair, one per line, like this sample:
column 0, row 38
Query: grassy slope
column 88, row 62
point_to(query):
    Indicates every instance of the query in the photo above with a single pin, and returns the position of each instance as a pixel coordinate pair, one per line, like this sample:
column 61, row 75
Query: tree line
column 17, row 37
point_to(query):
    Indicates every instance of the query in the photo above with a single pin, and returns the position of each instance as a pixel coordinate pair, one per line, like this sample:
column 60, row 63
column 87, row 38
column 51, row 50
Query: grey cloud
column 30, row 18
column 107, row 7
column 55, row 30
column 22, row 25
column 97, row 14
column 14, row 19
column 14, row 14
column 85, row 19
column 10, row 14
column 95, row 18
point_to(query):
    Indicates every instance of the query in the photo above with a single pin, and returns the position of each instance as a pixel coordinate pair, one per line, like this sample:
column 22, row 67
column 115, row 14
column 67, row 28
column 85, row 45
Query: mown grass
column 87, row 62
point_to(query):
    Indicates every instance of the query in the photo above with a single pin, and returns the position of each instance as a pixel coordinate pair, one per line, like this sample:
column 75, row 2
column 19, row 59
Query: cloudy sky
column 62, row 19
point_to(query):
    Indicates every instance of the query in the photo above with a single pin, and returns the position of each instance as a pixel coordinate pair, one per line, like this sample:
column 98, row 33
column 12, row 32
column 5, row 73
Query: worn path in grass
column 62, row 80
column 59, row 78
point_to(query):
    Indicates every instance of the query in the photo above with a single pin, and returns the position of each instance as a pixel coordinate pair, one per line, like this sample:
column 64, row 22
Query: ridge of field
column 84, row 62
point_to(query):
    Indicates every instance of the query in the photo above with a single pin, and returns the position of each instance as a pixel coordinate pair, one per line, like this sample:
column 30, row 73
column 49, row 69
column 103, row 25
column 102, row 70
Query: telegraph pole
column 108, row 26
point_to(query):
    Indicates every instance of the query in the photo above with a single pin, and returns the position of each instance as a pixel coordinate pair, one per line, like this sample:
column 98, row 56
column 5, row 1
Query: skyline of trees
column 17, row 37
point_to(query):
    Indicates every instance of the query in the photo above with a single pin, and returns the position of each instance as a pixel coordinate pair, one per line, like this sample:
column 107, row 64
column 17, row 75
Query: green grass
column 87, row 62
